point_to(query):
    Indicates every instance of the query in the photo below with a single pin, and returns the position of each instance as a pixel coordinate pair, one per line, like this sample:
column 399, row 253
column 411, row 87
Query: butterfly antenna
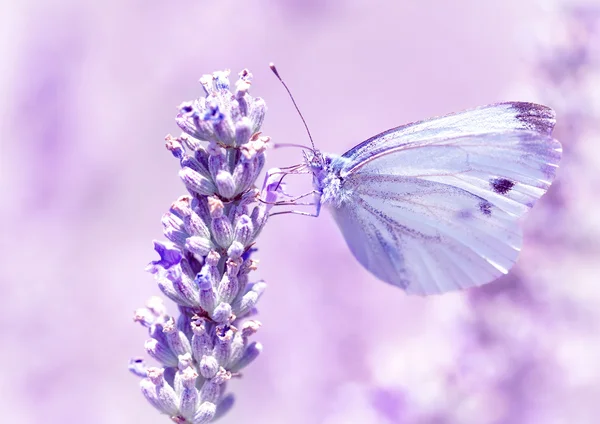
column 302, row 146
column 274, row 69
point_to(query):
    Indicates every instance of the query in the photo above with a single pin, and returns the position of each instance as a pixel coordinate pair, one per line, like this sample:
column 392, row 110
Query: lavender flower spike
column 205, row 265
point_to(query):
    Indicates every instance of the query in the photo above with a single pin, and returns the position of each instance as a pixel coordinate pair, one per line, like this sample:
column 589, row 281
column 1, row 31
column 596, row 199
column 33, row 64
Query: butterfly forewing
column 434, row 206
column 495, row 118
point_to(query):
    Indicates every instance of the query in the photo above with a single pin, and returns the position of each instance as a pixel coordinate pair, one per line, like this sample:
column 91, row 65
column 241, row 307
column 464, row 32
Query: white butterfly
column 434, row 206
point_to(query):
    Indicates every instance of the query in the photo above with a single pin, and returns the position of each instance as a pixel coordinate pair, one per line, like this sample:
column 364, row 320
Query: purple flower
column 205, row 267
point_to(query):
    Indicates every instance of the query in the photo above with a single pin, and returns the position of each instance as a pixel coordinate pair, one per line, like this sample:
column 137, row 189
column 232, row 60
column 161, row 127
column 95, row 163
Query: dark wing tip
column 535, row 117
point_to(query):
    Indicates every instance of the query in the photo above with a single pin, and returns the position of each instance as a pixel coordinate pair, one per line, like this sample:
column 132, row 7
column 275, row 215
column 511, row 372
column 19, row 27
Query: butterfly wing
column 434, row 206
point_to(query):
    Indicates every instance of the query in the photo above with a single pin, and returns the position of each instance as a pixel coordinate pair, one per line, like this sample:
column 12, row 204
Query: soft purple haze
column 89, row 89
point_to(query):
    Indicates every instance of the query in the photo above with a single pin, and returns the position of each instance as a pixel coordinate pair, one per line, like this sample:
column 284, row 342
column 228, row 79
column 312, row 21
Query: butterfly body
column 434, row 206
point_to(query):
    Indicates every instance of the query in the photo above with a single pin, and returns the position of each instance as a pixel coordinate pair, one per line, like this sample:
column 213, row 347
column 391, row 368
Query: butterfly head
column 319, row 165
column 314, row 160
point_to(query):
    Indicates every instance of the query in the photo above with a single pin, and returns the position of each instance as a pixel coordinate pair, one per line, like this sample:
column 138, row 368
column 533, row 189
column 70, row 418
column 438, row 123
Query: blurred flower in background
column 89, row 89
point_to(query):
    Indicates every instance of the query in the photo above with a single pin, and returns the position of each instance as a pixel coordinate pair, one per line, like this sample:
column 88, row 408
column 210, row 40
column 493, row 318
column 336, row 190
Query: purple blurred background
column 89, row 90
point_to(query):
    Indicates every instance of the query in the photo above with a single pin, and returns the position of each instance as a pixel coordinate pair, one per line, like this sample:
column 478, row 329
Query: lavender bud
column 190, row 143
column 224, row 406
column 185, row 361
column 159, row 393
column 201, row 340
column 182, row 206
column 235, row 111
column 193, row 163
column 213, row 259
column 248, row 265
column 222, row 313
column 184, row 321
column 243, row 103
column 223, row 341
column 198, row 246
column 168, row 288
column 178, row 343
column 250, row 354
column 248, row 197
column 192, row 223
column 201, row 155
column 228, row 289
column 259, row 218
column 234, row 213
column 255, row 146
column 221, row 80
column 225, row 130
column 156, row 331
column 216, row 161
column 242, row 176
column 243, row 279
column 144, row 316
column 249, row 328
column 196, row 183
column 187, row 270
column 189, row 121
column 173, row 228
column 222, row 377
column 189, row 395
column 208, row 296
column 210, row 391
column 258, row 163
column 243, row 230
column 149, row 391
column 206, row 81
column 257, row 114
column 236, row 250
column 174, row 146
column 208, row 366
column 205, row 414
column 242, row 306
column 234, row 264
column 242, row 85
column 186, row 289
column 200, row 206
column 225, row 184
column 238, row 346
column 220, row 225
column 212, row 262
column 243, row 131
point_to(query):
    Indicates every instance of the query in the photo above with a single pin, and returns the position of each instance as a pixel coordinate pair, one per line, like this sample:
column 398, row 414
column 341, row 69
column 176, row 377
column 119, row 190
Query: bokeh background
column 88, row 91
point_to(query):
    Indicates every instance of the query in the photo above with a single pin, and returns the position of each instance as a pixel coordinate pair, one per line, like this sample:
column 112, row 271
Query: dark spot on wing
column 485, row 207
column 535, row 117
column 501, row 185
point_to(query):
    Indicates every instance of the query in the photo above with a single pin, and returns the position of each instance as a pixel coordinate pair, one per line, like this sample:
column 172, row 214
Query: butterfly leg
column 295, row 199
column 314, row 214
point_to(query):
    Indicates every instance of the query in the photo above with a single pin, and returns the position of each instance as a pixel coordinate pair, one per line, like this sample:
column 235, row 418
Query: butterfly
column 435, row 206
